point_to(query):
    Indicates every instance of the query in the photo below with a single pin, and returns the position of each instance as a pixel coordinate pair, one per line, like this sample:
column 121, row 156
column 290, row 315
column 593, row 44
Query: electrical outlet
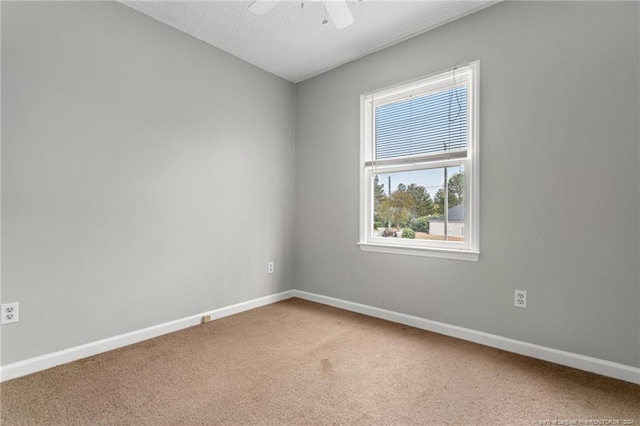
column 520, row 299
column 270, row 267
column 9, row 313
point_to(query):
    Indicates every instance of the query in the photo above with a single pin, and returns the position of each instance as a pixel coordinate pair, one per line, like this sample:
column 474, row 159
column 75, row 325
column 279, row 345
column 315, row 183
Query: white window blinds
column 423, row 119
column 421, row 125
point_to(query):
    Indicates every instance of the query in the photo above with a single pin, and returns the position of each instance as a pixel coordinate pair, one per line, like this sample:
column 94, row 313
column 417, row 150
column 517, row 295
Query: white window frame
column 467, row 250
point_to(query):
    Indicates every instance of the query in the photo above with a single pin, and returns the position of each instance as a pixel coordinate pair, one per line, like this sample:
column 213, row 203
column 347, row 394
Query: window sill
column 467, row 255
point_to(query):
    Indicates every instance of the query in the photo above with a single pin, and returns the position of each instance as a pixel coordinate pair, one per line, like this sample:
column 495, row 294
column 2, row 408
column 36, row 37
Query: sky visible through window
column 430, row 179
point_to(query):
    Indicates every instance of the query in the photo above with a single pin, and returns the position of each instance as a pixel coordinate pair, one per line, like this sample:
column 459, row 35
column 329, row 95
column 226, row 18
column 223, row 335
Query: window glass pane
column 412, row 204
column 421, row 125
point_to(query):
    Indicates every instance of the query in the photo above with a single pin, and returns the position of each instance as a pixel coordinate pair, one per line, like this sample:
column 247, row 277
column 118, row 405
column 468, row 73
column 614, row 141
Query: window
column 419, row 167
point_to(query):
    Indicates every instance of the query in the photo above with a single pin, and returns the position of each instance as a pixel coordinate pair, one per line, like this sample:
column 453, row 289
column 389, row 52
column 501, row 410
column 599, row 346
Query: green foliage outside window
column 408, row 233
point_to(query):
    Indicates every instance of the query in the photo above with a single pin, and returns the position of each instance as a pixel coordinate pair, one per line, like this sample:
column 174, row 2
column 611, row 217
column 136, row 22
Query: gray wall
column 558, row 180
column 146, row 176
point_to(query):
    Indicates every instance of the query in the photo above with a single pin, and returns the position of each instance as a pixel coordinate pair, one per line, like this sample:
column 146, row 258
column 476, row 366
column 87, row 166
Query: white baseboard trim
column 582, row 362
column 43, row 362
column 569, row 359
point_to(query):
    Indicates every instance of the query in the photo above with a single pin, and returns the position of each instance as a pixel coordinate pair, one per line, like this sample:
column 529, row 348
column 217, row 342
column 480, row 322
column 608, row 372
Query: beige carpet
column 301, row 363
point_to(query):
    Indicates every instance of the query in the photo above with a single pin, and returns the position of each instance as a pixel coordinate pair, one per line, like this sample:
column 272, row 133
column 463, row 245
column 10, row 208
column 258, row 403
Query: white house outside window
column 419, row 167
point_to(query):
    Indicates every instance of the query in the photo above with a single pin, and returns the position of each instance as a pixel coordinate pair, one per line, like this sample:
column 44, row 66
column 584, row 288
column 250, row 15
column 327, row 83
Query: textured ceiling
column 291, row 42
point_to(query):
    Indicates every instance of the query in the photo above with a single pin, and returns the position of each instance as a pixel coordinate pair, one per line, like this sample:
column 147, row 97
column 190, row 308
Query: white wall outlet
column 9, row 313
column 270, row 267
column 520, row 299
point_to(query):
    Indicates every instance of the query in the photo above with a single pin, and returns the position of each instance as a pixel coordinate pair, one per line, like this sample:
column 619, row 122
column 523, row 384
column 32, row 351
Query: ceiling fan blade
column 263, row 6
column 339, row 12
